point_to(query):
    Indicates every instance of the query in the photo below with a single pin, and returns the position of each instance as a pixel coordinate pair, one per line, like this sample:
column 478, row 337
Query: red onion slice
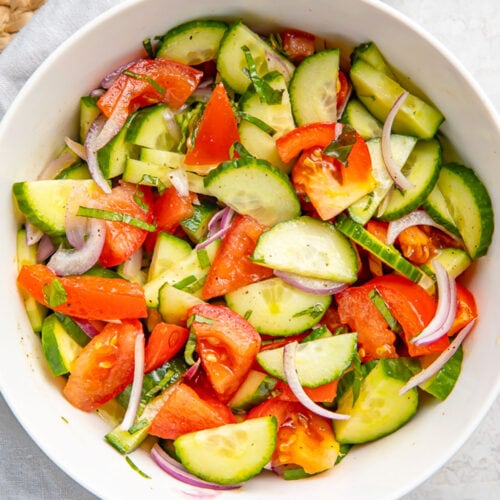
column 33, row 234
column 218, row 226
column 340, row 111
column 76, row 226
column 76, row 147
column 192, row 370
column 135, row 393
column 177, row 471
column 179, row 180
column 311, row 285
column 110, row 128
column 86, row 326
column 66, row 262
column 109, row 79
column 392, row 168
column 295, row 386
column 53, row 167
column 131, row 268
column 416, row 218
column 91, row 153
column 285, row 70
column 439, row 362
column 446, row 309
column 172, row 126
column 45, row 248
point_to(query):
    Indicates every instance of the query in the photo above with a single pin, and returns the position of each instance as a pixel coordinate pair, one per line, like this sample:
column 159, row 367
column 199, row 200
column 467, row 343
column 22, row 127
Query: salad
column 250, row 256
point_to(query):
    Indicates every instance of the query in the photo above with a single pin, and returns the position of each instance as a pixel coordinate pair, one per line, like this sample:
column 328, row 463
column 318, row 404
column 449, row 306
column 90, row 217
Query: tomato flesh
column 227, row 345
column 185, row 411
column 232, row 267
column 297, row 44
column 164, row 343
column 104, row 367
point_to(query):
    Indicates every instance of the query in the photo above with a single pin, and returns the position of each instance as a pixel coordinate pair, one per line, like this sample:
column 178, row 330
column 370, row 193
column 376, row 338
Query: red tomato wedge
column 89, row 297
column 297, row 44
column 466, row 309
column 322, row 394
column 185, row 411
column 217, row 131
column 227, row 345
column 104, row 367
column 164, row 343
column 232, row 267
column 330, row 185
column 412, row 307
column 173, row 84
column 170, row 209
column 304, row 439
column 123, row 239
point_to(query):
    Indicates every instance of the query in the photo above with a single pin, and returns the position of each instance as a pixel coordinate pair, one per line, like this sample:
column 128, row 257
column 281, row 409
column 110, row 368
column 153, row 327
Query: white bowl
column 45, row 111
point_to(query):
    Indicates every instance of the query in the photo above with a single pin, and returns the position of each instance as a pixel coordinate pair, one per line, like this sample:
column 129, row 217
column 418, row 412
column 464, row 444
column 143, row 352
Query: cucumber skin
column 480, row 197
column 368, row 423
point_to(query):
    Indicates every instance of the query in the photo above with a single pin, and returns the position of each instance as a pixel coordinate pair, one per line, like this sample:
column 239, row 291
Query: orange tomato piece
column 89, row 297
column 165, row 341
column 104, row 367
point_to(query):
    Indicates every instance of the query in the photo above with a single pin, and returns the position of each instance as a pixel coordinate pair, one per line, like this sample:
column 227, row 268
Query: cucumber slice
column 454, row 260
column 26, row 255
column 317, row 362
column 402, row 145
column 59, row 348
column 44, row 202
column 148, row 128
column 196, row 226
column 386, row 253
column 174, row 304
column 378, row 92
column 422, row 170
column 193, row 42
column 157, row 174
column 254, row 390
column 113, row 156
column 309, row 247
column 188, row 274
column 313, row 88
column 370, row 53
column 88, row 113
column 231, row 453
column 442, row 383
column 358, row 117
column 470, row 206
column 254, row 187
column 277, row 116
column 435, row 206
column 73, row 330
column 378, row 409
column 77, row 171
column 168, row 250
column 231, row 59
column 273, row 307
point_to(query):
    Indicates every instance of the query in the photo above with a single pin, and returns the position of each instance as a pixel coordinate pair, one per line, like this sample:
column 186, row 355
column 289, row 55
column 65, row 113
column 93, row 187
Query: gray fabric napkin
column 26, row 473
column 51, row 25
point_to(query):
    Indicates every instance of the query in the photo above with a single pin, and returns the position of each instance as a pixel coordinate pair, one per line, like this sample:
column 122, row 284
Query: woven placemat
column 14, row 14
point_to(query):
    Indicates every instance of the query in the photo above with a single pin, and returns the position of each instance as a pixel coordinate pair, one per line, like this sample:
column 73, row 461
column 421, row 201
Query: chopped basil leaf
column 98, row 213
column 340, row 147
column 147, row 79
column 161, row 384
column 138, row 198
column 257, row 122
column 190, row 350
column 384, row 310
column 182, row 284
column 276, row 42
column 148, row 47
column 203, row 258
column 152, row 180
column 247, row 314
column 138, row 426
column 132, row 464
column 198, row 318
column 265, row 92
column 54, row 293
column 317, row 333
column 314, row 311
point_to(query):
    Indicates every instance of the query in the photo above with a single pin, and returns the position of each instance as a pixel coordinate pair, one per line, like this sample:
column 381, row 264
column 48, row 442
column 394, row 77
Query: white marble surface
column 471, row 30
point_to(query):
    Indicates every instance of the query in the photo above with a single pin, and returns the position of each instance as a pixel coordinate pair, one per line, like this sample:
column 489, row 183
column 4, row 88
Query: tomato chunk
column 123, row 239
column 297, row 44
column 466, row 309
column 164, row 343
column 104, row 367
column 89, row 297
column 232, row 267
column 323, row 394
column 185, row 411
column 227, row 345
column 217, row 131
column 173, row 83
column 170, row 209
column 304, row 438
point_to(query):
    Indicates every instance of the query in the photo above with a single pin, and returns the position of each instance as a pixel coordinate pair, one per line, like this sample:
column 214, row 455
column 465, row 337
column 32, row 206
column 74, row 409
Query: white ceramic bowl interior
column 46, row 110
